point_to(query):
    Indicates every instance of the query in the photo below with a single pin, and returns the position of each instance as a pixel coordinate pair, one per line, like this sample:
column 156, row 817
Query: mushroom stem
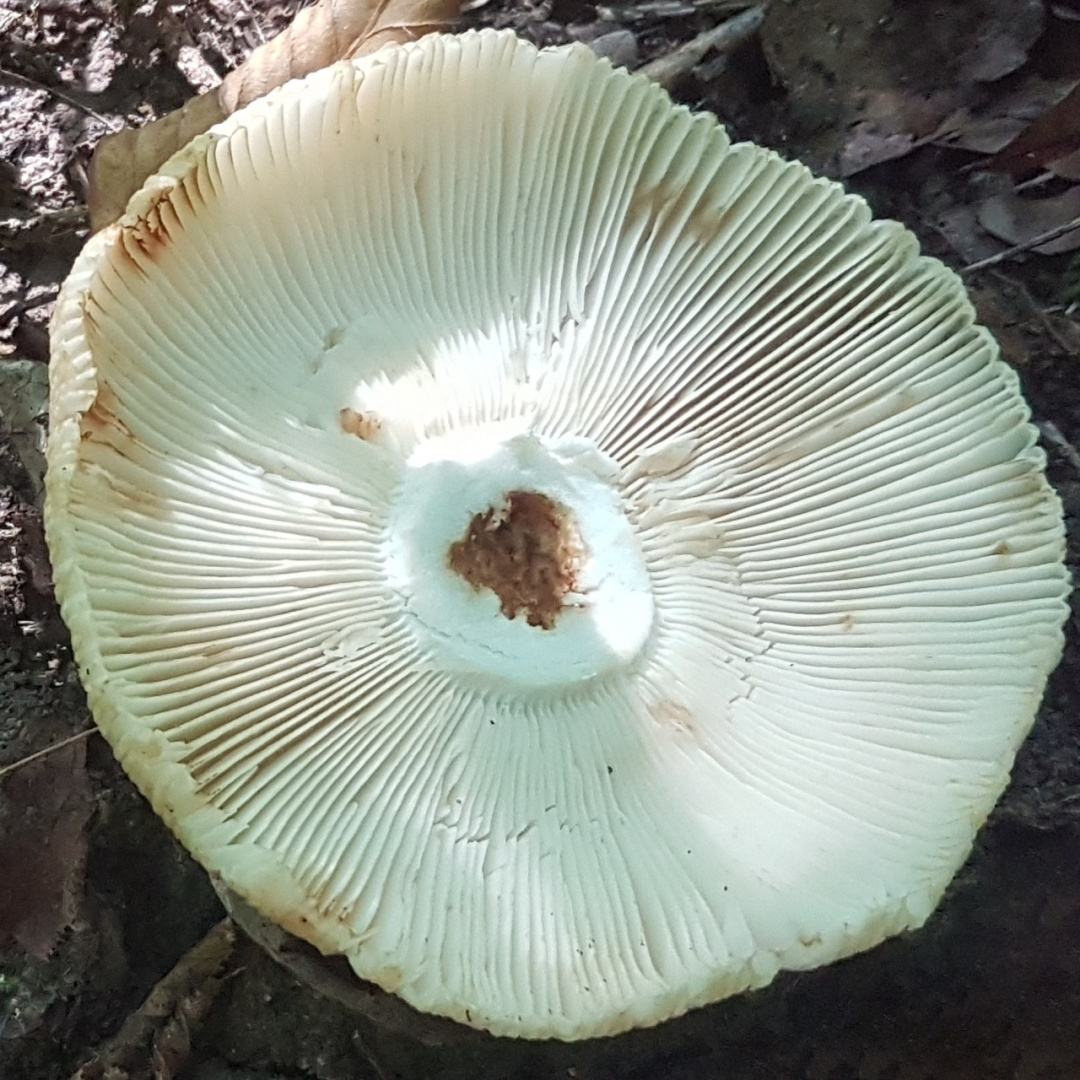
column 526, row 551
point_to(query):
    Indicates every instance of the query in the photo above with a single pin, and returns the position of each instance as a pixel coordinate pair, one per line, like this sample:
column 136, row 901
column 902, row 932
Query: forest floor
column 907, row 101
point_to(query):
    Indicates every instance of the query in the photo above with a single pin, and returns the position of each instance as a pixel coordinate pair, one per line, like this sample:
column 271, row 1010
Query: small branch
column 649, row 10
column 17, row 234
column 667, row 70
column 62, row 96
column 1054, row 436
column 38, row 754
column 1036, row 311
column 156, row 1038
column 255, row 24
column 332, row 977
column 1027, row 245
column 372, row 1058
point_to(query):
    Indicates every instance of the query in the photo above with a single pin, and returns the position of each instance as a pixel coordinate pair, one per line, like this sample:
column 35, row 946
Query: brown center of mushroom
column 527, row 552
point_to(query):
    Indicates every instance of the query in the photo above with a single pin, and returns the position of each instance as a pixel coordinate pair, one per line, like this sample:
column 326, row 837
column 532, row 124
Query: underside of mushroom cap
column 568, row 564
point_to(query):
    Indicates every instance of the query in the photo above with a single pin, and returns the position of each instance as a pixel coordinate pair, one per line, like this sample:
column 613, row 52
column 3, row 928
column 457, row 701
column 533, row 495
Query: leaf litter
column 953, row 122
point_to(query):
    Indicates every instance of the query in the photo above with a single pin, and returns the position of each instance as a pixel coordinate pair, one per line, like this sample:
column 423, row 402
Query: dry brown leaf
column 121, row 162
column 328, row 31
column 1054, row 136
column 1019, row 220
column 44, row 809
column 870, row 80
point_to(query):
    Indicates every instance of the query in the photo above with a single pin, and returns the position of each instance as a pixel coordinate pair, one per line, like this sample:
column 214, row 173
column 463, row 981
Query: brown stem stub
column 526, row 551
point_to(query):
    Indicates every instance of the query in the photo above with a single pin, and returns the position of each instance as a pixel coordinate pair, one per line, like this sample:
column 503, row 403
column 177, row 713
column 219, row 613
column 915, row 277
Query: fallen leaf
column 865, row 147
column 44, row 808
column 998, row 119
column 24, row 407
column 328, row 31
column 1067, row 168
column 869, row 80
column 1054, row 136
column 986, row 134
column 1019, row 220
column 959, row 225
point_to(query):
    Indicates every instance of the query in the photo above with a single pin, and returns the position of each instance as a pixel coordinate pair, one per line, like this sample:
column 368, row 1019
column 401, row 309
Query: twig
column 61, row 95
column 332, row 978
column 372, row 1058
column 1054, row 436
column 665, row 70
column 1027, row 245
column 155, row 1039
column 1037, row 312
column 255, row 26
column 43, row 228
column 667, row 9
column 7, row 769
column 1044, row 177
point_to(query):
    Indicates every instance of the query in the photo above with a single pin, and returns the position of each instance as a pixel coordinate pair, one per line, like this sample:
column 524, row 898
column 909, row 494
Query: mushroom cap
column 362, row 358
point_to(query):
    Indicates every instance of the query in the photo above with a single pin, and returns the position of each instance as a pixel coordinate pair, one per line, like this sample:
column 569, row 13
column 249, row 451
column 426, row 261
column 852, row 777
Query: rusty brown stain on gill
column 794, row 331
column 528, row 552
column 150, row 234
column 114, row 459
column 364, row 426
column 1003, row 548
column 101, row 422
column 670, row 714
column 673, row 203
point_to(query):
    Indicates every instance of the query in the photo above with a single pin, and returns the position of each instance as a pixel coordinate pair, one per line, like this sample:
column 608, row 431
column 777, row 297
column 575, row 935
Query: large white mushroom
column 568, row 564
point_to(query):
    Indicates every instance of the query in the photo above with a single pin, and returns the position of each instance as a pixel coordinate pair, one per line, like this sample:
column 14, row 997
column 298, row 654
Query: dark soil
column 98, row 903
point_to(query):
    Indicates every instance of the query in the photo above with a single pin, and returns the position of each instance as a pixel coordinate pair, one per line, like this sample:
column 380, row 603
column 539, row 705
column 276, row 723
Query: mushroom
column 570, row 565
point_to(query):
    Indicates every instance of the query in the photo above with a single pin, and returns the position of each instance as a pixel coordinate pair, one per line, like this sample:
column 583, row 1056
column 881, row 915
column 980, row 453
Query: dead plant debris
column 44, row 810
column 961, row 119
column 329, row 30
